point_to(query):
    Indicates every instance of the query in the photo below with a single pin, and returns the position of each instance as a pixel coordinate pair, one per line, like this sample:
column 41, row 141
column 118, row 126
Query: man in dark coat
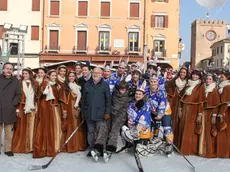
column 10, row 95
column 86, row 76
column 96, row 104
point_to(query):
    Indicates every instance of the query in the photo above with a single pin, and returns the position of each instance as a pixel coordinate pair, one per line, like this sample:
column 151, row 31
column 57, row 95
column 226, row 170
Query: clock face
column 211, row 35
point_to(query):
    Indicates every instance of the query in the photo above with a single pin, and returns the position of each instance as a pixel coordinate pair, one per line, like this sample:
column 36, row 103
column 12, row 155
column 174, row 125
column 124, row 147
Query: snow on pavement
column 123, row 162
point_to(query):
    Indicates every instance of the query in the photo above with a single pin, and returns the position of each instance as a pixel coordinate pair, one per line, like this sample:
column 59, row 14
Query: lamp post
column 15, row 35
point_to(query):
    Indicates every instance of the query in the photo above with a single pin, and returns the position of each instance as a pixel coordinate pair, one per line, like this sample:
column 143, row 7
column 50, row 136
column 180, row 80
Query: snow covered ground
column 123, row 162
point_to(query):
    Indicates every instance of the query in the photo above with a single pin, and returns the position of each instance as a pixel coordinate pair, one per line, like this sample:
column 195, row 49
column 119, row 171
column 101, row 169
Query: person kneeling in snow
column 120, row 103
column 138, row 130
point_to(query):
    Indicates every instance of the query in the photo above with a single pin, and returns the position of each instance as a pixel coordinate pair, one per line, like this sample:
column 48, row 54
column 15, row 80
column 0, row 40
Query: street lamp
column 7, row 26
column 23, row 28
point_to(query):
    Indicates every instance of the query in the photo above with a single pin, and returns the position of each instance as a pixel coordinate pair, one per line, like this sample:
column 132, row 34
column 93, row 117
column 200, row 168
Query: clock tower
column 203, row 34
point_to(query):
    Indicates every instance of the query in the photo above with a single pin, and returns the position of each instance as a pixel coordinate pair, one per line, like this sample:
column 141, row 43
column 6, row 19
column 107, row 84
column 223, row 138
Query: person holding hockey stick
column 160, row 111
column 138, row 129
column 120, row 103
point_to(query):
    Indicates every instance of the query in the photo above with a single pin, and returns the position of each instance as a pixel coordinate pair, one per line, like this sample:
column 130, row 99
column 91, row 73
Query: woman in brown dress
column 48, row 125
column 191, row 114
column 175, row 89
column 207, row 138
column 61, row 75
column 40, row 75
column 70, row 97
column 26, row 110
column 223, row 118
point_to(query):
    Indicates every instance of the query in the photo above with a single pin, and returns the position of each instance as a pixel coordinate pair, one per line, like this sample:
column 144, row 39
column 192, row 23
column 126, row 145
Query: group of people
column 41, row 110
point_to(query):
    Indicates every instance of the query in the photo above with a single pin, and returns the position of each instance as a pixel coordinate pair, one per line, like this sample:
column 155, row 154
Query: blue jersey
column 111, row 82
column 157, row 102
column 115, row 76
column 140, row 120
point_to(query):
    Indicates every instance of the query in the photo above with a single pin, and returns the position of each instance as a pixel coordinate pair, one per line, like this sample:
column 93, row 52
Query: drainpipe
column 145, row 48
column 43, row 25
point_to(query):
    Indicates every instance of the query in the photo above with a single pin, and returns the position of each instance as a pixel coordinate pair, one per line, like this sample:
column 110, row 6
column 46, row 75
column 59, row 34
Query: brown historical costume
column 207, row 138
column 175, row 89
column 69, row 98
column 48, row 122
column 223, row 121
column 192, row 106
column 24, row 128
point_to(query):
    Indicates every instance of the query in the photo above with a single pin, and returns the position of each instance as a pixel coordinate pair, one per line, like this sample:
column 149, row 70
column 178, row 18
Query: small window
column 3, row 5
column 34, row 32
column 134, row 10
column 105, row 9
column 104, row 40
column 82, row 8
column 54, row 7
column 1, row 31
column 35, row 5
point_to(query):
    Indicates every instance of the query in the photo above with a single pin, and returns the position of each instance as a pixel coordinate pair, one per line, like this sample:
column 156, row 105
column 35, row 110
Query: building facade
column 221, row 55
column 203, row 34
column 105, row 30
column 18, row 13
column 162, row 35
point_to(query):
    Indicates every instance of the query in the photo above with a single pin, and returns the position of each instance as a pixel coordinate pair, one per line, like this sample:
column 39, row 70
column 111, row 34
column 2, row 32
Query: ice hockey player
column 110, row 129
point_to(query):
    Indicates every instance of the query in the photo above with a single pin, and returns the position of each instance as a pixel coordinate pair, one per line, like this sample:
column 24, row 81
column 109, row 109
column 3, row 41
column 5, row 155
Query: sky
column 190, row 11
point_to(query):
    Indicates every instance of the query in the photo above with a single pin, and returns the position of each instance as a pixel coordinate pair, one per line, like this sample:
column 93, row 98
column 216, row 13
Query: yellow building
column 105, row 30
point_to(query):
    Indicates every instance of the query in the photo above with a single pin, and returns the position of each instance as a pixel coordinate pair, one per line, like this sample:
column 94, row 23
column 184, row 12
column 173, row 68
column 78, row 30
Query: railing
column 133, row 50
column 103, row 49
column 52, row 48
column 80, row 49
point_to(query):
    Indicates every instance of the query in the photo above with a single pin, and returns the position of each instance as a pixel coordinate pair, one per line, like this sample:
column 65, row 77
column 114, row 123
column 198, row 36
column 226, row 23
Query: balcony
column 80, row 49
column 158, row 53
column 133, row 50
column 52, row 48
column 103, row 49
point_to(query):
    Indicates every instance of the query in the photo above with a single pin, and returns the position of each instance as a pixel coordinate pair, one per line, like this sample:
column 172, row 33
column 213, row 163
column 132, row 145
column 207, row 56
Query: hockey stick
column 179, row 151
column 137, row 158
column 39, row 167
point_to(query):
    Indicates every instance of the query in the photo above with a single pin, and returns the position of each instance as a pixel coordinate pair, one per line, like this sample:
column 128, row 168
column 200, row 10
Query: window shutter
column 153, row 0
column 82, row 8
column 34, row 32
column 152, row 21
column 1, row 32
column 105, row 9
column 166, row 21
column 54, row 8
column 134, row 9
column 166, row 1
column 35, row 5
column 3, row 5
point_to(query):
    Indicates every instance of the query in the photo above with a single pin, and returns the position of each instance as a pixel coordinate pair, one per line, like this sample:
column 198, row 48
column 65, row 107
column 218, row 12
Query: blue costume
column 139, row 121
column 133, row 87
column 111, row 82
column 115, row 76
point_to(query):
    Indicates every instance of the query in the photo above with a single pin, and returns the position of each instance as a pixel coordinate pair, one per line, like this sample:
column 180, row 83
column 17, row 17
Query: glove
column 213, row 120
column 180, row 113
column 221, row 124
column 199, row 118
column 106, row 116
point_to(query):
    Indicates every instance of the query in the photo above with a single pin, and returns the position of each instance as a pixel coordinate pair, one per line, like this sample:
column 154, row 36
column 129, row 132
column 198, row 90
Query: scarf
column 29, row 93
column 62, row 80
column 192, row 84
column 39, row 80
column 49, row 91
column 180, row 84
column 76, row 90
column 209, row 88
column 222, row 85
column 79, row 76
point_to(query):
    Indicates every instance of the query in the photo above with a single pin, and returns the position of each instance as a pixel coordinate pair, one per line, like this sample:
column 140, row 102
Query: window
column 221, row 49
column 134, row 10
column 133, row 41
column 35, row 5
column 105, row 9
column 104, row 40
column 34, row 32
column 1, row 31
column 217, row 51
column 54, row 7
column 81, row 40
column 159, row 48
column 82, row 8
column 3, row 5
column 159, row 21
column 53, row 42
